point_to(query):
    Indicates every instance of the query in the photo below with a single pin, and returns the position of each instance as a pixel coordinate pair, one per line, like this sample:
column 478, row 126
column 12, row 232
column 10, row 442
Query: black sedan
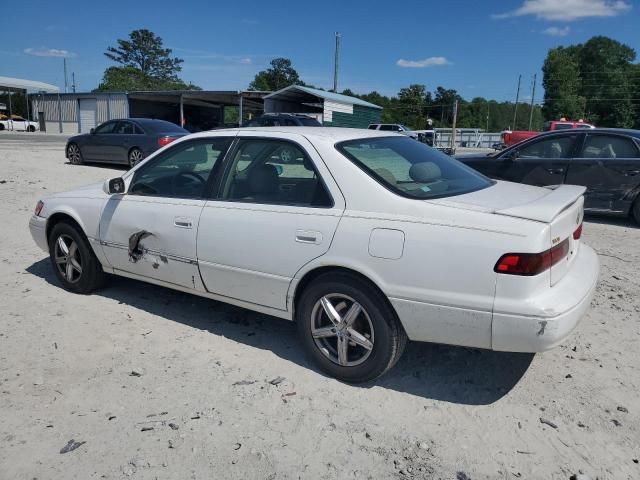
column 606, row 161
column 124, row 141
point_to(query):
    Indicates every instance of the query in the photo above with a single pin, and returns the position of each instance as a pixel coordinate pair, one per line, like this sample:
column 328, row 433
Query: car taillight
column 578, row 233
column 162, row 141
column 39, row 207
column 529, row 264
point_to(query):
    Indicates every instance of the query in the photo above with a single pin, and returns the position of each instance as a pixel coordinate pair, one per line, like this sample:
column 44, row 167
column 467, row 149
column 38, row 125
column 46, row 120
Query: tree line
column 596, row 81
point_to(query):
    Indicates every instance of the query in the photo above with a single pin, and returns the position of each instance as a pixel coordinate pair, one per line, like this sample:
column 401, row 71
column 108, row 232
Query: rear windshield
column 163, row 126
column 309, row 122
column 411, row 168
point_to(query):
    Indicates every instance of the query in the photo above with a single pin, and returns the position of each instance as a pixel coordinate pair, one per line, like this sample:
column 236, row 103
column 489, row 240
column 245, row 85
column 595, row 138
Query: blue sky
column 478, row 48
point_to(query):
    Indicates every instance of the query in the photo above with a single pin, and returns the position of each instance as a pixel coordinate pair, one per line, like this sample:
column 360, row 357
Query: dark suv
column 283, row 120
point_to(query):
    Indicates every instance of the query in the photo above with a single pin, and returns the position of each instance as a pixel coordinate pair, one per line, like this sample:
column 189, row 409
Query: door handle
column 632, row 173
column 308, row 236
column 555, row 171
column 182, row 222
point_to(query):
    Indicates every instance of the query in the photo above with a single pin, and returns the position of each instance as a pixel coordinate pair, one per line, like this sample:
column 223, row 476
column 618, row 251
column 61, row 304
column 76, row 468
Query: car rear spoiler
column 547, row 208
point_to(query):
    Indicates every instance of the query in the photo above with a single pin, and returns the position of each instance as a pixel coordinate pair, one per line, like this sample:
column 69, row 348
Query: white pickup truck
column 17, row 123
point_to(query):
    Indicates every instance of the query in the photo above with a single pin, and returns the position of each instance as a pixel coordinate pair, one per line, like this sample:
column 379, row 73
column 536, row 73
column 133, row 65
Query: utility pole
column 453, row 128
column 533, row 94
column 335, row 64
column 64, row 62
column 487, row 129
column 515, row 108
column 73, row 82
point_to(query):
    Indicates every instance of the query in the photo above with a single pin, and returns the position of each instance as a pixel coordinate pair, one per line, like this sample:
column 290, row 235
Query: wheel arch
column 63, row 216
column 313, row 273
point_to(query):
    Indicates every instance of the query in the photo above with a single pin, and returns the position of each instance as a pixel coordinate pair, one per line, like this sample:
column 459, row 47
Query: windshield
column 412, row 169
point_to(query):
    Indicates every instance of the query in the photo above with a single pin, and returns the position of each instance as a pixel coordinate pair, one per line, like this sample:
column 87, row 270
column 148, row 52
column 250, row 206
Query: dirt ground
column 161, row 384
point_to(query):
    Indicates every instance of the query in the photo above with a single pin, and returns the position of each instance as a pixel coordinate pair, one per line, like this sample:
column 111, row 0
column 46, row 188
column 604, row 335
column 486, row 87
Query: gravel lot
column 161, row 384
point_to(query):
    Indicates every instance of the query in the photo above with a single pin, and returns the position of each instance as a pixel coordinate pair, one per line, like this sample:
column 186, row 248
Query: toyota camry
column 364, row 238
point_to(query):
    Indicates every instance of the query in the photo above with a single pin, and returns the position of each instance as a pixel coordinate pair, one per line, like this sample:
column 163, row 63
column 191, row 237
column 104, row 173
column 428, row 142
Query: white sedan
column 364, row 238
column 19, row 124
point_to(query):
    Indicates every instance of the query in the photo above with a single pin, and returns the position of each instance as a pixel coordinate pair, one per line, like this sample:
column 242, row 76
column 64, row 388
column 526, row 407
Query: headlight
column 39, row 207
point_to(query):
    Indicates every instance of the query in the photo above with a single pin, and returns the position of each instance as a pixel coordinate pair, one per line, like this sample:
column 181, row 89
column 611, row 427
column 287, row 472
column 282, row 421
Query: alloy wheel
column 68, row 259
column 74, row 154
column 134, row 157
column 342, row 330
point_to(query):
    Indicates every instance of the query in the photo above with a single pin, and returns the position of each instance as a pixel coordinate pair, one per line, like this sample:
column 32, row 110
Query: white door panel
column 170, row 249
column 251, row 252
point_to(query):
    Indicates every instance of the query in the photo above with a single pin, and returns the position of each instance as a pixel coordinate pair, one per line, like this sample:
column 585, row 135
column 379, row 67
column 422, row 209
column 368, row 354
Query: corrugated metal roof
column 336, row 97
column 30, row 85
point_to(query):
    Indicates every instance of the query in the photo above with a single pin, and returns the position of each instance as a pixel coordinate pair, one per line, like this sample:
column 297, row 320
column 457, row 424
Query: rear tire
column 74, row 154
column 367, row 340
column 635, row 210
column 135, row 157
column 73, row 261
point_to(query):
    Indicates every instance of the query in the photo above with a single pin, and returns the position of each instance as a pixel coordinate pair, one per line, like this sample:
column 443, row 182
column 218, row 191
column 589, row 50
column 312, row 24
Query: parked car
column 394, row 127
column 606, row 161
column 510, row 138
column 364, row 238
column 18, row 123
column 283, row 120
column 125, row 141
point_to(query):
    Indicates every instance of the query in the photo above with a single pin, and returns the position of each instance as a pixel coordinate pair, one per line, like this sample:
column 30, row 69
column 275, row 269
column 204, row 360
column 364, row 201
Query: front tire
column 74, row 154
column 31, row 128
column 135, row 157
column 348, row 328
column 73, row 261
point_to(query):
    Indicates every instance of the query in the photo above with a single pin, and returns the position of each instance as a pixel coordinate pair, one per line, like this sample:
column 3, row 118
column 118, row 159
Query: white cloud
column 557, row 31
column 568, row 10
column 48, row 52
column 427, row 62
column 245, row 61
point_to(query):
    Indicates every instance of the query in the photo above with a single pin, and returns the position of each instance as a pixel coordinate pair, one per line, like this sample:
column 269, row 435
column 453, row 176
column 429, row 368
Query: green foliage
column 280, row 75
column 596, row 81
column 145, row 65
column 414, row 106
column 130, row 79
column 561, row 82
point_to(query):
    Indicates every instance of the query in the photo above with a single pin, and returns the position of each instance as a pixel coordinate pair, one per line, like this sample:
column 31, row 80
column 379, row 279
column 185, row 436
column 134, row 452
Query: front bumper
column 516, row 333
column 38, row 229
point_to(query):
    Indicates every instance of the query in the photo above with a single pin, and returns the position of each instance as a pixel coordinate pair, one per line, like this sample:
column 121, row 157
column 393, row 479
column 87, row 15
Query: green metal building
column 331, row 109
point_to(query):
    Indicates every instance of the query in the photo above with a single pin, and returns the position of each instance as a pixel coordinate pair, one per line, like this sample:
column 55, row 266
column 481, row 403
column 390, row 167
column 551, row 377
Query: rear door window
column 279, row 172
column 609, row 147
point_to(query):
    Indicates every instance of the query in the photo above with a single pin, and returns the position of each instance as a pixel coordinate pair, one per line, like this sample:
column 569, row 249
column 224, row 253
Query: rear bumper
column 516, row 333
column 38, row 229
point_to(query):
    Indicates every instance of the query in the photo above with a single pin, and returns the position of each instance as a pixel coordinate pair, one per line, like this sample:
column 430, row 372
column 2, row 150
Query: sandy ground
column 161, row 384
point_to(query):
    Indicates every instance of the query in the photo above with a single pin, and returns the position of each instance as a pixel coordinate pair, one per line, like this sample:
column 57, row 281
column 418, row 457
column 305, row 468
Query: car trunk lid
column 561, row 207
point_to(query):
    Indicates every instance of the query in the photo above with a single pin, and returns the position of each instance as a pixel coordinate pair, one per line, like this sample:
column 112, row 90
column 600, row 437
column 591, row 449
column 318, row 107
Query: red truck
column 512, row 137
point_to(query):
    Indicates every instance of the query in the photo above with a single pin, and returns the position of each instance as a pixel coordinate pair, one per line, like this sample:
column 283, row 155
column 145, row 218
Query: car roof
column 620, row 131
column 336, row 134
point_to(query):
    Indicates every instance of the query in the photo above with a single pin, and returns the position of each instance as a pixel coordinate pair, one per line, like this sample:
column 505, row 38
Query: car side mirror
column 114, row 186
column 92, row 131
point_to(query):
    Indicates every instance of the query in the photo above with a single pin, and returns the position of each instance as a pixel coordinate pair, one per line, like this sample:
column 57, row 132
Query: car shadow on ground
column 439, row 372
column 110, row 166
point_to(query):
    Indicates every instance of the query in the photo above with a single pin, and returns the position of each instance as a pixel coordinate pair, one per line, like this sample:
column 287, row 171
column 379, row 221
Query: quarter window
column 609, row 147
column 181, row 172
column 555, row 147
column 273, row 172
